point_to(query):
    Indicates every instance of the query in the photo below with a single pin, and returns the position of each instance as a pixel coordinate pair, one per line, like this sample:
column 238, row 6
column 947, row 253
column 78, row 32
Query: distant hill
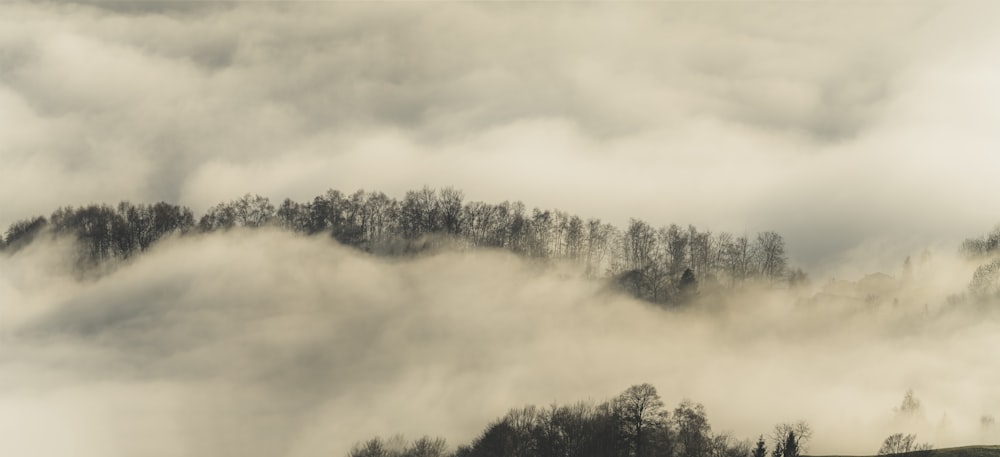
column 666, row 265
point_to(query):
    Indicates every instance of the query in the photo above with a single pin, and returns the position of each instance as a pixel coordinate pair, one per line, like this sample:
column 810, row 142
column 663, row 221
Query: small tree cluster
column 22, row 233
column 103, row 232
column 789, row 440
column 898, row 443
column 985, row 246
column 985, row 283
column 636, row 423
column 398, row 447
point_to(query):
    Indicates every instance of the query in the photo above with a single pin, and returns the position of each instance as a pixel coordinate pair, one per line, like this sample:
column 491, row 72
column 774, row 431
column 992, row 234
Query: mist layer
column 266, row 343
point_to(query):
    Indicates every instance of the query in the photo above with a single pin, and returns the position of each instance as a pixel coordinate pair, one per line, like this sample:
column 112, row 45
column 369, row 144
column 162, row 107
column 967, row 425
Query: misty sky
column 840, row 125
column 860, row 131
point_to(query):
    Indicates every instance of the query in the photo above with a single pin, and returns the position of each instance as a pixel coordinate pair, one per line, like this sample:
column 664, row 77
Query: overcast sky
column 861, row 131
column 841, row 125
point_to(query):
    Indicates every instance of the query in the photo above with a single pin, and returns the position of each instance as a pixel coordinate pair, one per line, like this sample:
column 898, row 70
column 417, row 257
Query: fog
column 835, row 125
column 266, row 343
column 862, row 133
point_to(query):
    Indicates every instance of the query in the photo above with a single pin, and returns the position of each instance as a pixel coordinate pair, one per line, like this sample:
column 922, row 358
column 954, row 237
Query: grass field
column 964, row 451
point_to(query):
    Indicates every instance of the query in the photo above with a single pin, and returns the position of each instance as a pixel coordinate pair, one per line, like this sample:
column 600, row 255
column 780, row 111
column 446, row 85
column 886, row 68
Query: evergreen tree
column 791, row 448
column 761, row 449
column 688, row 285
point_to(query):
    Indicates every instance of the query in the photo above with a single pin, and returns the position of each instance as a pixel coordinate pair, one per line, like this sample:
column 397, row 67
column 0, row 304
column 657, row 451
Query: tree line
column 659, row 264
column 985, row 282
column 636, row 423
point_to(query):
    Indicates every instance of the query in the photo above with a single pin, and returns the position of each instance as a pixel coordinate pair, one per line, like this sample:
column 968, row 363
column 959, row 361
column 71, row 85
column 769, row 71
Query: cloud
column 833, row 126
column 266, row 343
column 862, row 133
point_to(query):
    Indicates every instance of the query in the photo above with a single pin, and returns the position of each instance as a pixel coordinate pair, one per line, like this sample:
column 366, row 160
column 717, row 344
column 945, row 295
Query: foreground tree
column 694, row 434
column 643, row 419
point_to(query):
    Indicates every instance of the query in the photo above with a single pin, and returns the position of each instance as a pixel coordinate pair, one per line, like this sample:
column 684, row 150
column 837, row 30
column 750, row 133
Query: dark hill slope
column 964, row 451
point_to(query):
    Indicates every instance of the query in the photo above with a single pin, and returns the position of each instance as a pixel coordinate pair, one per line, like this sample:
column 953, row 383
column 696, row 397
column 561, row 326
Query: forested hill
column 662, row 265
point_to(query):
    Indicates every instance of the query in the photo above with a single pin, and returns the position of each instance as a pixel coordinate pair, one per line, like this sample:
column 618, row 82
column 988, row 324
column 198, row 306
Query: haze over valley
column 771, row 214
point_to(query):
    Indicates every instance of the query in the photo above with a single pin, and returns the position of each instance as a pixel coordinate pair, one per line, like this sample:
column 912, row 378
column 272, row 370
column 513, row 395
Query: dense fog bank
column 267, row 343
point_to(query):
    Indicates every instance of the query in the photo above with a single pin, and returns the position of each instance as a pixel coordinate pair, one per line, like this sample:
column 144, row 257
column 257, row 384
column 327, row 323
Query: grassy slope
column 964, row 451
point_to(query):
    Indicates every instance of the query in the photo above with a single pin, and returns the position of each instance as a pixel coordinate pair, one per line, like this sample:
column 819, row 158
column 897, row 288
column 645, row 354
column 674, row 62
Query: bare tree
column 427, row 447
column 701, row 249
column 725, row 445
column 641, row 413
column 639, row 245
column 419, row 213
column 693, row 430
column 739, row 256
column 771, row 255
column 574, row 238
column 450, row 210
column 675, row 245
column 252, row 211
column 910, row 405
column 800, row 432
column 600, row 239
column 374, row 447
column 898, row 443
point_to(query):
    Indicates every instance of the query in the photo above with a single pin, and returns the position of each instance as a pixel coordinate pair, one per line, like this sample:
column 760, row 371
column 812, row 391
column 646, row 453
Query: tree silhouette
column 693, row 430
column 642, row 415
column 688, row 285
column 761, row 449
column 791, row 447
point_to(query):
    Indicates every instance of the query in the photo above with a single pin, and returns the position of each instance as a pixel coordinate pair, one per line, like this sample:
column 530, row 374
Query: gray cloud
column 736, row 116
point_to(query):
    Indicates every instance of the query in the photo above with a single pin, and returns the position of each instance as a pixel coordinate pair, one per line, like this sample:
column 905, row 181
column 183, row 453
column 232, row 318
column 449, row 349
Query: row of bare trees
column 653, row 263
column 658, row 264
column 985, row 250
column 634, row 424
column 103, row 232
